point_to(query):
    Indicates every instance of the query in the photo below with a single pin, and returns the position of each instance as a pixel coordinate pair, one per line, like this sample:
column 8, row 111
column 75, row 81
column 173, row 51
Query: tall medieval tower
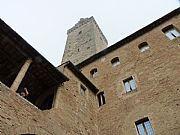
column 84, row 40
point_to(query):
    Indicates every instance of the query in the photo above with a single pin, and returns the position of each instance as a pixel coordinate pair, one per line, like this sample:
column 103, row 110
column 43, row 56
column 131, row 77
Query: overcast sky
column 44, row 23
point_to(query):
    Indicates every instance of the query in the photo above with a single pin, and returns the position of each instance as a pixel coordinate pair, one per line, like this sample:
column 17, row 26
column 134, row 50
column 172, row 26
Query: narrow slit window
column 115, row 61
column 144, row 127
column 129, row 84
column 82, row 90
column 93, row 72
column 143, row 46
column 171, row 32
column 101, row 98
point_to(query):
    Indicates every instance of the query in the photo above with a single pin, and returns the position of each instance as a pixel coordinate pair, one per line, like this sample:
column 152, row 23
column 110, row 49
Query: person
column 24, row 92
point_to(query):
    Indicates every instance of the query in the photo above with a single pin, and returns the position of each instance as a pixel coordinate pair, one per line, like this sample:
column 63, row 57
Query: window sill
column 101, row 107
column 132, row 91
column 175, row 39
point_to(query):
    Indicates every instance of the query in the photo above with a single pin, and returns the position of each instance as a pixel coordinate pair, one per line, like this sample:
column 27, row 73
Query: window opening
column 80, row 32
column 47, row 103
column 144, row 127
column 143, row 46
column 82, row 90
column 93, row 72
column 101, row 98
column 129, row 84
column 115, row 61
column 171, row 32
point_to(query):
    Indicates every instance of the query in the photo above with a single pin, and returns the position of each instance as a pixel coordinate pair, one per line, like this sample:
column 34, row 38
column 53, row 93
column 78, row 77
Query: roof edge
column 32, row 52
column 129, row 38
column 83, row 79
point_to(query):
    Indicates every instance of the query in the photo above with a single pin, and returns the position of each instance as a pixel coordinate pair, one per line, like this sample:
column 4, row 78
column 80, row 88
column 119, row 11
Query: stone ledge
column 4, row 88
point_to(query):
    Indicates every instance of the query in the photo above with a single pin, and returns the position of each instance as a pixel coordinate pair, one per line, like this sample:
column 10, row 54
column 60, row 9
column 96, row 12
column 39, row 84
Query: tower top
column 84, row 21
column 84, row 40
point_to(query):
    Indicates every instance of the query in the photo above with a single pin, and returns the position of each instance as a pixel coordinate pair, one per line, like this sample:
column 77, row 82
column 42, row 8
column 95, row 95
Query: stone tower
column 84, row 40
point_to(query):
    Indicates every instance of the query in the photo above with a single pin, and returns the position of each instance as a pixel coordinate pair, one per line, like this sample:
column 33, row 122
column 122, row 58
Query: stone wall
column 72, row 114
column 18, row 116
column 81, row 109
column 156, row 72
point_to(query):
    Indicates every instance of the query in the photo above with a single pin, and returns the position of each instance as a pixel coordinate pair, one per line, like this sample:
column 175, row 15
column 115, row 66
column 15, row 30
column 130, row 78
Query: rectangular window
column 129, row 84
column 101, row 98
column 144, row 127
column 171, row 32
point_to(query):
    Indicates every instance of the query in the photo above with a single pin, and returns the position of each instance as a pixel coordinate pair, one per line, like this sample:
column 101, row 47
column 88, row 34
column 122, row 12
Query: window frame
column 94, row 72
column 101, row 98
column 168, row 31
column 128, row 80
column 145, row 128
column 115, row 61
column 144, row 46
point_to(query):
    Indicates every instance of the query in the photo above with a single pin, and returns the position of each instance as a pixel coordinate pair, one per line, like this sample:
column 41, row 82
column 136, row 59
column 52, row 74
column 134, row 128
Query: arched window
column 115, row 61
column 93, row 72
column 143, row 46
column 171, row 32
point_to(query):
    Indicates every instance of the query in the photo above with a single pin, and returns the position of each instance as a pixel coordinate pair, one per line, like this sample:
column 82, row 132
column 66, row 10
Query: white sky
column 44, row 23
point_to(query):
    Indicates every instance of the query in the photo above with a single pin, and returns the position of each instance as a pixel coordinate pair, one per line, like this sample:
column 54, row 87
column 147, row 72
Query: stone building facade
column 129, row 88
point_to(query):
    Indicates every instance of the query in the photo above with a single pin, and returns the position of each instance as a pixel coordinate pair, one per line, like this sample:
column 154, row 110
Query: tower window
column 80, row 32
column 93, row 72
column 101, row 98
column 82, row 90
column 143, row 46
column 129, row 84
column 115, row 61
column 171, row 32
column 144, row 127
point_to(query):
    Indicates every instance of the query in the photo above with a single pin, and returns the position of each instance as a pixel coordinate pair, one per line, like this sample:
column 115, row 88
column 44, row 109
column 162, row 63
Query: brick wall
column 79, row 109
